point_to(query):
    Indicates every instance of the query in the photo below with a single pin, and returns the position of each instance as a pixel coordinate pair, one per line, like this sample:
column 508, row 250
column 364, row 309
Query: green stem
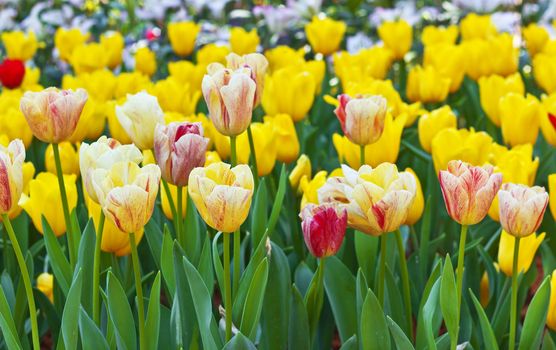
column 513, row 307
column 362, row 155
column 253, row 155
column 233, row 150
column 178, row 218
column 227, row 287
column 96, row 270
column 405, row 282
column 139, row 290
column 26, row 281
column 459, row 278
column 65, row 206
column 237, row 260
column 382, row 269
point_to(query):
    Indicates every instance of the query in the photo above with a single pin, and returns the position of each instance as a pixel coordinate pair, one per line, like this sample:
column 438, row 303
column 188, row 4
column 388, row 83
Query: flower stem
column 178, row 218
column 382, row 269
column 138, row 289
column 65, row 206
column 227, row 287
column 26, row 281
column 96, row 270
column 233, row 150
column 362, row 155
column 513, row 307
column 405, row 282
column 237, row 258
column 253, row 155
column 459, row 277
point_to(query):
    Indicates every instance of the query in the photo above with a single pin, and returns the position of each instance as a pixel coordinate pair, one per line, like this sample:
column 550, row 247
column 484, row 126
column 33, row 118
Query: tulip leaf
column 259, row 216
column 192, row 231
column 70, row 317
column 366, row 248
column 167, row 261
column 299, row 323
column 429, row 317
column 121, row 315
column 60, row 265
column 374, row 330
column 400, row 339
column 154, row 239
column 239, row 342
column 184, row 318
column 254, row 301
column 152, row 323
column 205, row 266
column 531, row 333
column 218, row 269
column 314, row 299
column 85, row 262
column 7, row 324
column 278, row 200
column 422, row 332
column 448, row 292
column 47, row 309
column 488, row 335
column 91, row 335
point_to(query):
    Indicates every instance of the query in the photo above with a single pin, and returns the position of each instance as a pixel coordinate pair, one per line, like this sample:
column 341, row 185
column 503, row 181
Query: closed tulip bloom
column 127, row 193
column 519, row 117
column 475, row 26
column 45, row 283
column 20, row 46
column 285, row 137
column 178, row 149
column 493, row 88
column 427, row 85
column 104, row 153
column 449, row 61
column 548, row 118
column 282, row 56
column 28, row 174
column 439, row 35
column 309, row 188
column 377, row 200
column 212, row 53
column 302, row 169
column 325, row 35
column 187, row 73
column 12, row 73
column 182, row 37
column 230, row 96
column 87, row 58
column 139, row 116
column 544, row 69
column 69, row 157
column 535, row 38
column 242, row 41
column 258, row 65
column 362, row 118
column 165, row 202
column 373, row 62
column 430, row 124
column 551, row 317
column 113, row 43
column 528, row 246
column 324, row 228
column 266, row 147
column 521, row 208
column 468, row 191
column 11, row 175
column 418, row 206
column 53, row 114
column 552, row 191
column 222, row 194
column 66, row 40
column 145, row 61
column 175, row 96
column 44, row 199
column 397, row 36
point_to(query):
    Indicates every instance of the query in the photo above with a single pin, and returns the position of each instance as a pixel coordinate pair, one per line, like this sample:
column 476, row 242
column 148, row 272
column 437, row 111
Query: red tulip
column 12, row 73
column 324, row 227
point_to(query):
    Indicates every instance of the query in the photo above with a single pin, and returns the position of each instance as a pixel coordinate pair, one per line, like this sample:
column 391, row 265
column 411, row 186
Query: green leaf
column 299, row 323
column 60, row 265
column 278, row 200
column 218, row 269
column 531, row 333
column 254, row 301
column 239, row 342
column 366, row 248
column 401, row 340
column 350, row 344
column 374, row 330
column 167, row 261
column 152, row 323
column 90, row 334
column 205, row 266
column 314, row 300
column 488, row 335
column 448, row 299
column 70, row 317
column 154, row 239
column 429, row 310
column 7, row 324
column 121, row 315
column 259, row 216
column 192, row 231
column 85, row 264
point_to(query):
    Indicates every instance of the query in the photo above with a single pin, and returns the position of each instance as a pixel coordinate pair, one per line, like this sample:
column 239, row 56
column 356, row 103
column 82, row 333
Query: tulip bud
column 325, row 34
column 418, row 205
column 178, row 149
column 258, row 65
column 362, row 118
column 324, row 227
column 53, row 114
column 12, row 73
column 527, row 248
column 521, row 208
column 302, row 169
column 468, row 191
column 45, row 283
column 11, row 175
column 230, row 96
column 139, row 116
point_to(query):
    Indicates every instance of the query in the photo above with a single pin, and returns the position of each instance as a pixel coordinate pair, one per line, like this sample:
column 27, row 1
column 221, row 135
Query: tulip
column 212, row 53
column 12, row 73
column 324, row 227
column 427, row 85
column 69, row 156
column 130, row 83
column 11, row 172
column 285, row 137
column 187, row 73
column 139, row 116
column 45, row 283
column 551, row 317
column 167, row 207
column 13, row 123
column 175, row 96
column 66, row 40
column 28, row 174
column 521, row 208
column 87, row 58
column 552, row 191
column 310, row 187
column 475, row 26
column 100, row 84
column 53, row 114
column 430, row 124
column 302, row 169
column 528, row 247
column 493, row 88
column 374, row 62
column 544, row 68
column 535, row 38
column 468, row 191
column 182, row 37
column 20, row 46
column 325, row 35
column 92, row 121
column 145, row 61
column 519, row 117
column 548, row 118
column 44, row 199
column 503, row 56
column 222, row 195
column 113, row 43
column 258, row 65
column 361, row 118
column 418, row 206
column 397, row 36
column 266, row 147
column 283, row 56
column 178, row 149
column 433, row 35
column 230, row 96
column 242, row 41
column 449, row 61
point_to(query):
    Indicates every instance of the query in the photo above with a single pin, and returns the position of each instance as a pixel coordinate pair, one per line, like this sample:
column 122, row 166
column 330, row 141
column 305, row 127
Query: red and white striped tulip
column 11, row 174
column 361, row 117
column 324, row 228
column 258, row 65
column 521, row 208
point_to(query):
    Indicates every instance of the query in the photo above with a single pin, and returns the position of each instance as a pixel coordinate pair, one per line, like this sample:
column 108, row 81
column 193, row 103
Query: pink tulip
column 521, row 208
column 362, row 117
column 324, row 227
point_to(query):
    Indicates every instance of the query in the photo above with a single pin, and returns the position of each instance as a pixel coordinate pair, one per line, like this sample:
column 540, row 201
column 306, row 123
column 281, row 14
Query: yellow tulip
column 519, row 118
column 386, row 149
column 283, row 56
column 175, row 96
column 100, row 84
column 28, row 173
column 374, row 62
column 309, row 188
column 264, row 140
column 13, row 123
column 552, row 193
column 69, row 156
column 302, row 169
column 182, row 37
column 433, row 35
column 87, row 58
column 548, row 117
column 397, row 36
column 31, row 80
column 449, row 60
column 113, row 43
column 145, row 61
column 527, row 248
column 44, row 200
column 165, row 202
column 427, row 85
column 187, row 73
column 114, row 127
column 461, row 144
column 430, row 124
column 20, row 46
column 494, row 87
column 290, row 91
column 212, row 157
column 535, row 38
column 222, row 195
column 66, row 40
column 130, row 83
column 317, row 68
column 475, row 26
column 324, row 34
column 418, row 205
column 212, row 53
column 544, row 71
column 551, row 317
column 45, row 283
column 12, row 157
column 484, row 290
column 91, row 123
column 285, row 137
column 495, row 55
column 242, row 41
